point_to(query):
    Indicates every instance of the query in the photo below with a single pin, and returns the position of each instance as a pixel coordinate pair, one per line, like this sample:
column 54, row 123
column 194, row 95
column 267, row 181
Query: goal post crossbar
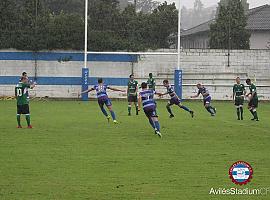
column 132, row 53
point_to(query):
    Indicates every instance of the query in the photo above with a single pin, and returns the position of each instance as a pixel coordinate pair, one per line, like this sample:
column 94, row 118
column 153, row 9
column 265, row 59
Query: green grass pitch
column 73, row 153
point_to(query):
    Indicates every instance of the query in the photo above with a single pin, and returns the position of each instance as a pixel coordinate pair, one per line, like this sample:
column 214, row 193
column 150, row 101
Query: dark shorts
column 174, row 101
column 239, row 101
column 106, row 101
column 132, row 98
column 253, row 103
column 207, row 100
column 23, row 109
column 150, row 112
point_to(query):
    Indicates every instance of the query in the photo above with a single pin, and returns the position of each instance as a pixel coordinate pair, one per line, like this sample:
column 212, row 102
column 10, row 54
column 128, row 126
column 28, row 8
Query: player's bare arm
column 139, row 102
column 194, row 96
column 161, row 94
column 115, row 89
column 86, row 91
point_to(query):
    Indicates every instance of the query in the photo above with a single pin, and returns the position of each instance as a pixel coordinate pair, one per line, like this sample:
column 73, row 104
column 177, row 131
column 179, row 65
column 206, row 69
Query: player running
column 238, row 97
column 21, row 93
column 151, row 82
column 253, row 100
column 146, row 97
column 103, row 98
column 132, row 91
column 175, row 100
column 206, row 99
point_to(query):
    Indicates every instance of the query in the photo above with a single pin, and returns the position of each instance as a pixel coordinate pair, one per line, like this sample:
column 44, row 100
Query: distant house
column 258, row 24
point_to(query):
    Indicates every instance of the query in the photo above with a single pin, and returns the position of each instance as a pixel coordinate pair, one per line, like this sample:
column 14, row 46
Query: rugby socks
column 241, row 111
column 157, row 126
column 19, row 119
column 104, row 111
column 137, row 109
column 152, row 123
column 169, row 109
column 212, row 109
column 129, row 109
column 27, row 117
column 255, row 114
column 251, row 111
column 185, row 108
column 209, row 110
column 113, row 115
column 238, row 113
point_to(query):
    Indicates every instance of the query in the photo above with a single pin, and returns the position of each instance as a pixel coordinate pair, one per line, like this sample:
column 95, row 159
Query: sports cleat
column 213, row 115
column 108, row 118
column 129, row 114
column 115, row 122
column 192, row 113
column 257, row 120
column 30, row 126
column 171, row 116
column 19, row 126
column 158, row 133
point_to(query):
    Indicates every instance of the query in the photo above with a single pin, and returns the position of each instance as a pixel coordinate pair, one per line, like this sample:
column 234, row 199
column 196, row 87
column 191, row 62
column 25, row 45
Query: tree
column 9, row 23
column 65, row 6
column 65, row 31
column 146, row 6
column 163, row 22
column 229, row 30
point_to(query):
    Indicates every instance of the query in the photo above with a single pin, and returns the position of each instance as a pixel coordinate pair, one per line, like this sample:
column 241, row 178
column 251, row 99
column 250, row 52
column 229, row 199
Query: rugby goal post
column 178, row 74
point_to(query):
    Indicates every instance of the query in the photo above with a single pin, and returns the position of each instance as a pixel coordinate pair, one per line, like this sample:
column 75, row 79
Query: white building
column 258, row 23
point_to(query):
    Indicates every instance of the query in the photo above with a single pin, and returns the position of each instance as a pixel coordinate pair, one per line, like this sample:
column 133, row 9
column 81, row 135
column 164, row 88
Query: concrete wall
column 260, row 40
column 206, row 66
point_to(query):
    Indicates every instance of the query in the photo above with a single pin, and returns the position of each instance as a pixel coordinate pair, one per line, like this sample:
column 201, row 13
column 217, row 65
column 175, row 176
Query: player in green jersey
column 238, row 97
column 151, row 82
column 21, row 93
column 132, row 94
column 253, row 100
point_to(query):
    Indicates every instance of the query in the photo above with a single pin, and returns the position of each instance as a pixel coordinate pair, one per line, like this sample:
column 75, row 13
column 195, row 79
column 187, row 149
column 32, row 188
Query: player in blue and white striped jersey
column 175, row 100
column 206, row 99
column 103, row 98
column 146, row 98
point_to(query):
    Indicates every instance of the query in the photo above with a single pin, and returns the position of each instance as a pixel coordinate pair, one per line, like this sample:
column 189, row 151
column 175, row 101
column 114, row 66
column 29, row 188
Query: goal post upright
column 178, row 73
column 85, row 69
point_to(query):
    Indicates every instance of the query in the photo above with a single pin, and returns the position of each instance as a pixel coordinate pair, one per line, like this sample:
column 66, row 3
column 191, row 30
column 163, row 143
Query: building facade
column 258, row 23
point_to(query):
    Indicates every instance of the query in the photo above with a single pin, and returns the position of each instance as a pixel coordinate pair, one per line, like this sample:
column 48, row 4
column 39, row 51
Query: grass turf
column 73, row 153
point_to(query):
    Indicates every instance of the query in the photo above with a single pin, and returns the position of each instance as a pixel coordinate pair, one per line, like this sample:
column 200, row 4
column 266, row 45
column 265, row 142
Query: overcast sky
column 207, row 3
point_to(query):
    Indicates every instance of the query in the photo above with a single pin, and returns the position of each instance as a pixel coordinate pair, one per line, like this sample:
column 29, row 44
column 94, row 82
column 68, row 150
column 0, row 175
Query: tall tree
column 8, row 25
column 229, row 30
column 66, row 6
column 163, row 22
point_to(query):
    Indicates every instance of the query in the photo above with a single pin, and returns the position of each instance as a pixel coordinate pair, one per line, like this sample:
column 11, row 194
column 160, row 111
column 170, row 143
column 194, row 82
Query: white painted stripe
column 151, row 104
column 244, row 168
column 242, row 177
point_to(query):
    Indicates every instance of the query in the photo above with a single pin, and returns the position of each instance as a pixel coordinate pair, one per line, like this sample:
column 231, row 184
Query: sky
column 207, row 3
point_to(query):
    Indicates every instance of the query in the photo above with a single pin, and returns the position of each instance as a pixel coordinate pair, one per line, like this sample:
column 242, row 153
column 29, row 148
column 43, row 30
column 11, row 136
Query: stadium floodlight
column 177, row 73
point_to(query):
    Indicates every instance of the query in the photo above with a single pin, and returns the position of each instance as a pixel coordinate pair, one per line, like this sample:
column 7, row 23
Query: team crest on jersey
column 240, row 173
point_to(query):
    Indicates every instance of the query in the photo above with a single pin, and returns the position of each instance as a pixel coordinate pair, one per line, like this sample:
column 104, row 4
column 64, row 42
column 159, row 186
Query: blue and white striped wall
column 59, row 73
